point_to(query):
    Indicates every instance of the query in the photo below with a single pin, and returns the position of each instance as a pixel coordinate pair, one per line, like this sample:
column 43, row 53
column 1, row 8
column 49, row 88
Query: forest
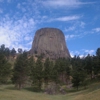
column 44, row 74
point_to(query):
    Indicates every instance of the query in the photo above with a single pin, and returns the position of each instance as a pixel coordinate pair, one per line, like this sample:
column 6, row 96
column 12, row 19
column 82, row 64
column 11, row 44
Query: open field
column 8, row 92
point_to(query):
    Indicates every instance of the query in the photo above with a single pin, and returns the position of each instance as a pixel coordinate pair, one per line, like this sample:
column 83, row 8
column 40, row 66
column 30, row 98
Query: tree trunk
column 39, row 84
column 20, row 86
column 77, row 88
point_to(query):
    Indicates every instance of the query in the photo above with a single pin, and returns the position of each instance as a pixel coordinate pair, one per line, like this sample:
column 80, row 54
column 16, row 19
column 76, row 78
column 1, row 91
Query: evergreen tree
column 78, row 78
column 96, row 66
column 89, row 65
column 31, row 64
column 78, row 72
column 13, row 52
column 21, row 70
column 68, row 70
column 5, row 69
column 56, row 71
column 38, row 73
column 98, row 52
column 20, row 50
column 63, row 69
column 7, row 52
column 47, row 70
column 2, row 49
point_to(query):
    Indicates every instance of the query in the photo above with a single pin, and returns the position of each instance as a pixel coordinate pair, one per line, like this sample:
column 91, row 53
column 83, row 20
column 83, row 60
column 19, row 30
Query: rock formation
column 51, row 43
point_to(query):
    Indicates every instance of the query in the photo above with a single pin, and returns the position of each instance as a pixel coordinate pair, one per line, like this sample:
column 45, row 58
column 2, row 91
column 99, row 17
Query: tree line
column 37, row 71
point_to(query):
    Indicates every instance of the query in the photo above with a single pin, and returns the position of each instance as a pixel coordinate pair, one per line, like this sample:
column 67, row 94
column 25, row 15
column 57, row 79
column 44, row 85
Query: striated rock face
column 51, row 43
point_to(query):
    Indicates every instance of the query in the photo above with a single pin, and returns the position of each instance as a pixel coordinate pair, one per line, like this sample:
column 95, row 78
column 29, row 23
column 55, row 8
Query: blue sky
column 78, row 19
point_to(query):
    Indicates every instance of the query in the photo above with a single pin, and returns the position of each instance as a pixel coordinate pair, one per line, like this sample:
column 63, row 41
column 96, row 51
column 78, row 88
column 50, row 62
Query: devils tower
column 51, row 43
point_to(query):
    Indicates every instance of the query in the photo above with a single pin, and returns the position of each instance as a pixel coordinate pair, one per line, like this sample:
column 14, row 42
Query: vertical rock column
column 51, row 43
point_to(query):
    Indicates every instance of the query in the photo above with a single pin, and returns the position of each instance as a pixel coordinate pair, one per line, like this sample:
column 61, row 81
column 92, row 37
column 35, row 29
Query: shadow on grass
column 74, row 90
column 11, row 88
column 33, row 89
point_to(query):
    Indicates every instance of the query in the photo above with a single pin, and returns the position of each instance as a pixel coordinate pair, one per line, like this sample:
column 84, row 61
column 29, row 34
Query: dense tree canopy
column 21, row 70
column 5, row 68
column 41, row 71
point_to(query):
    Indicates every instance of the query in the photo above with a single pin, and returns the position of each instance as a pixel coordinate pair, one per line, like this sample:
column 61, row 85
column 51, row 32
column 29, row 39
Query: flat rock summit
column 51, row 43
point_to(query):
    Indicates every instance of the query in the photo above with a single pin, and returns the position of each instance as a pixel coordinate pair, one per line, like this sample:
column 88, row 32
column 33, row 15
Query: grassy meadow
column 8, row 92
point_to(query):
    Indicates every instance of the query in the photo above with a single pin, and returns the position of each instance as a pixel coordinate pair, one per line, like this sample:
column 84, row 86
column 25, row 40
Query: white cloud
column 73, row 53
column 68, row 37
column 16, row 33
column 60, row 19
column 74, row 26
column 29, row 43
column 82, row 24
column 63, row 3
column 67, row 18
column 82, row 53
column 81, row 56
column 70, row 29
column 28, row 38
column 97, row 29
column 89, row 51
column 21, row 7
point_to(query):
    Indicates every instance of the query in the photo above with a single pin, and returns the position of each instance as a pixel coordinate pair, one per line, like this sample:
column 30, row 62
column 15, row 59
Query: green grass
column 8, row 92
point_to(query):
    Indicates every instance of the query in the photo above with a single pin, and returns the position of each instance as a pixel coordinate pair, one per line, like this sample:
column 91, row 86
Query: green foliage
column 62, row 69
column 89, row 65
column 96, row 65
column 21, row 70
column 47, row 71
column 5, row 51
column 98, row 52
column 2, row 49
column 78, row 72
column 78, row 79
column 31, row 64
column 37, row 73
column 5, row 69
column 13, row 52
column 20, row 50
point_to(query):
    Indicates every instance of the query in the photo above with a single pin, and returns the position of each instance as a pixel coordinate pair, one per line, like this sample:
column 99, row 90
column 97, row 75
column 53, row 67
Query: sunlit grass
column 8, row 92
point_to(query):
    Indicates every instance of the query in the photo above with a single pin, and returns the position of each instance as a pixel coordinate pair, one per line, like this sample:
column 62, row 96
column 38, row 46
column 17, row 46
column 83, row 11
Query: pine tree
column 89, row 65
column 7, row 53
column 2, row 48
column 98, row 52
column 38, row 73
column 20, row 50
column 5, row 69
column 62, row 69
column 31, row 64
column 13, row 52
column 47, row 71
column 21, row 70
column 78, row 72
column 78, row 78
